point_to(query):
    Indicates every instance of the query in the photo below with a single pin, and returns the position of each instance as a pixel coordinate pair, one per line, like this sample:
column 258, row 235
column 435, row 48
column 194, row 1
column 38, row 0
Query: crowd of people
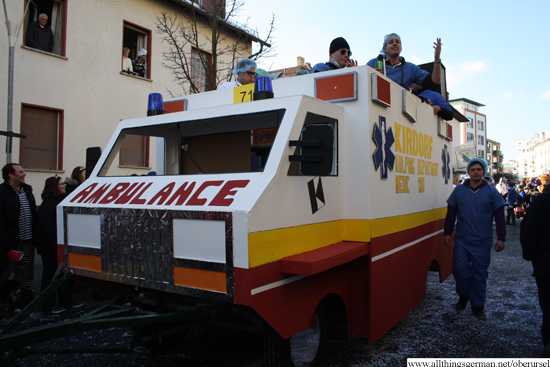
column 427, row 86
column 23, row 229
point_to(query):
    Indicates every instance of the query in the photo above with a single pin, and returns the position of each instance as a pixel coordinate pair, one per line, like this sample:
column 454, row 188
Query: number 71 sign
column 243, row 93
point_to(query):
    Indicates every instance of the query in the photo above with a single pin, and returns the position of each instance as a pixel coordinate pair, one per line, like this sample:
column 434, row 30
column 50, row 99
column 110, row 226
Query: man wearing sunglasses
column 339, row 57
column 245, row 72
column 406, row 73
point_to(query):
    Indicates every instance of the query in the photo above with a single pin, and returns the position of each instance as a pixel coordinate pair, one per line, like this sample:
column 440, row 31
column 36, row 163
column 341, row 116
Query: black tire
column 279, row 351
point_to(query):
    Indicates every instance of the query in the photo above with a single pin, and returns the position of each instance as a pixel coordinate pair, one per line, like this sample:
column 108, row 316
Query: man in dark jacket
column 339, row 57
column 17, row 225
column 39, row 34
column 535, row 241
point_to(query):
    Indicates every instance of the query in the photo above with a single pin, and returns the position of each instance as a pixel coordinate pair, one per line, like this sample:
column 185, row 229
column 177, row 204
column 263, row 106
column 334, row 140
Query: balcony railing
column 497, row 152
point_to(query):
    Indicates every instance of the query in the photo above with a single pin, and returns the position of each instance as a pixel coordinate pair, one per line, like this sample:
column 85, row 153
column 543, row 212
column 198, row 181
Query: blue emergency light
column 155, row 105
column 262, row 88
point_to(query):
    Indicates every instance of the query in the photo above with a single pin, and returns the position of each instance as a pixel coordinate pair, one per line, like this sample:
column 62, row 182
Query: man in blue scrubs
column 405, row 73
column 473, row 205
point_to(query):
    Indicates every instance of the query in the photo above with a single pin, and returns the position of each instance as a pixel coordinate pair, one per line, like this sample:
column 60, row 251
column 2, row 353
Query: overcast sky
column 495, row 52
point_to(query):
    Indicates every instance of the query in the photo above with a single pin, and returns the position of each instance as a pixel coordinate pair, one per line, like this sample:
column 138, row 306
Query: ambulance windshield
column 225, row 144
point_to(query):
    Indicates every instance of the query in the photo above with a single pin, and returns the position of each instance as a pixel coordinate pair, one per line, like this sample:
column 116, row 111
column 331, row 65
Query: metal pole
column 13, row 32
column 10, row 105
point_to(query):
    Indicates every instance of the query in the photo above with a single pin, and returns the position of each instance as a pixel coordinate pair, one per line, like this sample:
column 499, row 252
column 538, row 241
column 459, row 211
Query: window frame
column 60, row 138
column 207, row 73
column 480, row 124
column 148, row 33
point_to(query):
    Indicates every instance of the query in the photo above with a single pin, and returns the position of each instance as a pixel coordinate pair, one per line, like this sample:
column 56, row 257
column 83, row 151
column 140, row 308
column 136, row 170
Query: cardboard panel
column 217, row 153
column 409, row 106
column 176, row 106
column 337, row 88
column 201, row 279
column 381, row 92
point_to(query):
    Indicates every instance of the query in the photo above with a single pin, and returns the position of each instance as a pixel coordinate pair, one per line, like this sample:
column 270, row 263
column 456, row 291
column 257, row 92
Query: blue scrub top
column 474, row 218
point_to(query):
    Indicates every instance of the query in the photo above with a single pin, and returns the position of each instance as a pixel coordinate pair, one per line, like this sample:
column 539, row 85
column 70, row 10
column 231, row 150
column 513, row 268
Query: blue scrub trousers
column 470, row 270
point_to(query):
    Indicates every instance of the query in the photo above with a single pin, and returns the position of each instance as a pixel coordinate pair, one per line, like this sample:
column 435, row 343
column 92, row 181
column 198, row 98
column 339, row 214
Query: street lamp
column 13, row 32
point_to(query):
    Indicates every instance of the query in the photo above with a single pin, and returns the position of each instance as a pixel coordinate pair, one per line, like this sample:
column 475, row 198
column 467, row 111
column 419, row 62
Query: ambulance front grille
column 137, row 245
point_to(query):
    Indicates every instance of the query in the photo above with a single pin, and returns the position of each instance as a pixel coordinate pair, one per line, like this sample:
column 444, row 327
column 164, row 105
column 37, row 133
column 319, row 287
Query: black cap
column 337, row 44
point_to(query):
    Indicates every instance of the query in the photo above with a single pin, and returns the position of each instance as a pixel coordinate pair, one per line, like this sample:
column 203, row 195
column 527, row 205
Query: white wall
column 87, row 83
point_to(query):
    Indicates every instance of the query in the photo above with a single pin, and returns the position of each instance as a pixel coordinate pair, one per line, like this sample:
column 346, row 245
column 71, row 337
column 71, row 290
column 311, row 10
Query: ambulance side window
column 316, row 150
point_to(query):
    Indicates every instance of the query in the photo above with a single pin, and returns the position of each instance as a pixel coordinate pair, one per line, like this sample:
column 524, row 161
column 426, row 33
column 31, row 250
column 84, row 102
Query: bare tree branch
column 197, row 44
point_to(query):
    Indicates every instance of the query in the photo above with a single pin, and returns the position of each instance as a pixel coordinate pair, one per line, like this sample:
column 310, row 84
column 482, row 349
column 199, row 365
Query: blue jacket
column 326, row 66
column 438, row 100
column 405, row 74
column 512, row 197
column 475, row 212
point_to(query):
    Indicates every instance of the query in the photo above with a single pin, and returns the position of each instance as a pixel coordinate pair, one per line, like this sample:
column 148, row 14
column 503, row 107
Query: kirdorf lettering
column 412, row 142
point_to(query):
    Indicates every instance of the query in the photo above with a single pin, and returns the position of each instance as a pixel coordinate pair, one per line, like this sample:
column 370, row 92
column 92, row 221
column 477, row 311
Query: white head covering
column 142, row 52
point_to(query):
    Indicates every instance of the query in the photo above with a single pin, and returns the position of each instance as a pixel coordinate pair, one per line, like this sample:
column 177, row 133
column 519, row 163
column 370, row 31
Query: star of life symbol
column 446, row 168
column 383, row 156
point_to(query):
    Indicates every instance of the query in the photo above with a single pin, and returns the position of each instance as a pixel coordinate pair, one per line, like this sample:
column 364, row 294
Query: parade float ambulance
column 333, row 190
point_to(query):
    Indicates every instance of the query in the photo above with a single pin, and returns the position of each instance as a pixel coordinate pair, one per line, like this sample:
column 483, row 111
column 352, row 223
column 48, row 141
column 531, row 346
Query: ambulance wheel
column 302, row 348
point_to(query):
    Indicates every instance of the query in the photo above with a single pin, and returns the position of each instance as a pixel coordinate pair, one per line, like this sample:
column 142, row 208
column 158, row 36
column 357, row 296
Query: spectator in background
column 139, row 64
column 245, row 72
column 40, row 35
column 439, row 104
column 511, row 202
column 502, row 187
column 339, row 54
column 405, row 73
column 17, row 225
column 46, row 245
column 78, row 176
column 126, row 62
column 544, row 183
column 526, row 198
column 535, row 242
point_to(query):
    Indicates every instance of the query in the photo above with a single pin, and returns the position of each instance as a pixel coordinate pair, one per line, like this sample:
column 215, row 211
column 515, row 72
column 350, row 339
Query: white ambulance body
column 234, row 217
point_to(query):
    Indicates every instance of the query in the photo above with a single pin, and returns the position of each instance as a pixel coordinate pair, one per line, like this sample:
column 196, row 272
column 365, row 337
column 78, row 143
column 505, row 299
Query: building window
column 43, row 147
column 469, row 137
column 480, row 140
column 134, row 151
column 480, row 125
column 56, row 10
column 136, row 38
column 480, row 153
column 201, row 66
column 470, row 123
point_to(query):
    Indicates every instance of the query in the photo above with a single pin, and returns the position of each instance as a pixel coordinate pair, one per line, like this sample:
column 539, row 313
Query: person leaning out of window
column 127, row 62
column 139, row 64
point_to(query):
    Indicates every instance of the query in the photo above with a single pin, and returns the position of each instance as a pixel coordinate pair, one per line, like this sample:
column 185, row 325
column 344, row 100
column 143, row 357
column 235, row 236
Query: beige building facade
column 73, row 97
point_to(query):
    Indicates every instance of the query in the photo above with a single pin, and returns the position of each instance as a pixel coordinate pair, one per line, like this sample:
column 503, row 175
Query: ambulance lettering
column 185, row 194
column 410, row 142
